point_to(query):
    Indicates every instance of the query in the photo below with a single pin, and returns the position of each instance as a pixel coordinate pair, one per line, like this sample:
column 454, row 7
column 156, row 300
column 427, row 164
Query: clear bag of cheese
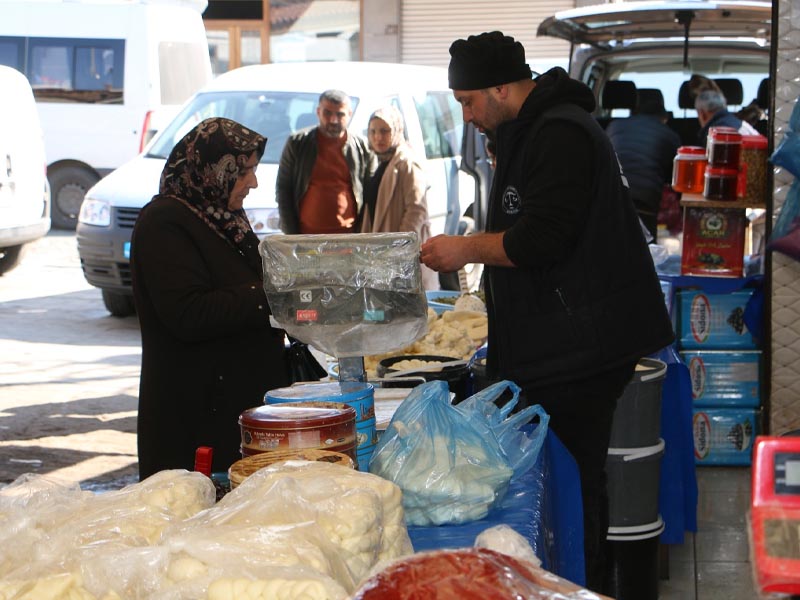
column 454, row 463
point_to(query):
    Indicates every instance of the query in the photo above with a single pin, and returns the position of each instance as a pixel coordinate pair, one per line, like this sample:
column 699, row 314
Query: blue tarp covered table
column 544, row 506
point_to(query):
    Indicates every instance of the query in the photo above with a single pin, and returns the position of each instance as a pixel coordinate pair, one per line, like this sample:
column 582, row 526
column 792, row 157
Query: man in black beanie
column 572, row 295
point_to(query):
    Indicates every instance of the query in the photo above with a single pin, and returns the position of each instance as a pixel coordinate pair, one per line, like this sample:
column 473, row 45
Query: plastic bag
column 346, row 294
column 789, row 242
column 787, row 154
column 454, row 463
column 301, row 364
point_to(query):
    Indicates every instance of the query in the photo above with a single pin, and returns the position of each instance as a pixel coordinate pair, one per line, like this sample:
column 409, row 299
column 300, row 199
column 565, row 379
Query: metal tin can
column 301, row 425
column 360, row 396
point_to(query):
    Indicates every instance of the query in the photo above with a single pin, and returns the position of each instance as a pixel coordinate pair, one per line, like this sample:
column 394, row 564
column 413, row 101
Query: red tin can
column 299, row 425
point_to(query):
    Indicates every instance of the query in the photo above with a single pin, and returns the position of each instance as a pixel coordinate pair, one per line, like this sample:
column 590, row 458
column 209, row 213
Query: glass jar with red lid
column 721, row 183
column 724, row 147
column 688, row 170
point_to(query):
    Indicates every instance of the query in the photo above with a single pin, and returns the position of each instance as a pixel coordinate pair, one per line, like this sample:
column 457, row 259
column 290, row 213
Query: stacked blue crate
column 723, row 359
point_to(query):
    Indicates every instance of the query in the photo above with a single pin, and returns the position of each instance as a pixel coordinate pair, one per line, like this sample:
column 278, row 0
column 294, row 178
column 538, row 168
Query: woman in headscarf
column 395, row 195
column 208, row 351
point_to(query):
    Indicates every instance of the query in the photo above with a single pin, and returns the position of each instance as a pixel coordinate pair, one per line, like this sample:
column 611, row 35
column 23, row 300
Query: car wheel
column 9, row 258
column 118, row 304
column 68, row 186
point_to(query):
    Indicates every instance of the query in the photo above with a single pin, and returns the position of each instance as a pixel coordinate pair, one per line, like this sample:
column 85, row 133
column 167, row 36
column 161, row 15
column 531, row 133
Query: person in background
column 572, row 296
column 712, row 111
column 645, row 147
column 322, row 172
column 395, row 195
column 208, row 350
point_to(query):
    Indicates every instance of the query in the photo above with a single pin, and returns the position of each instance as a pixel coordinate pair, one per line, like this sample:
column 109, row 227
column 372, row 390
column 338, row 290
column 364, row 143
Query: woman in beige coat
column 395, row 196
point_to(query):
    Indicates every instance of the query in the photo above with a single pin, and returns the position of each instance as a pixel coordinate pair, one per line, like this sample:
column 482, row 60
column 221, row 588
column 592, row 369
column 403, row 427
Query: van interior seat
column 762, row 99
column 686, row 127
column 650, row 97
column 732, row 90
column 617, row 94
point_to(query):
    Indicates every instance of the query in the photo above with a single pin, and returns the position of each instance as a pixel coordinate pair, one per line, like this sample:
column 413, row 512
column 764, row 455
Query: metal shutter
column 428, row 27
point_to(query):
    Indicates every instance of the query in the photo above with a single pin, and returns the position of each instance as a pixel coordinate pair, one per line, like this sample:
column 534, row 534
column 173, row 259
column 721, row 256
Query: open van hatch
column 604, row 25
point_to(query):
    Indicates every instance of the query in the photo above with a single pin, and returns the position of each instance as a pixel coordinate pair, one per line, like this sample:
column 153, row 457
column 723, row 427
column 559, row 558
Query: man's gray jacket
column 294, row 173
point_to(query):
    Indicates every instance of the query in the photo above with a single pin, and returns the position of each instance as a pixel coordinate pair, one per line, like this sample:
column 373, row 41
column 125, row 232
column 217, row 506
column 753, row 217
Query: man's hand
column 448, row 253
column 444, row 253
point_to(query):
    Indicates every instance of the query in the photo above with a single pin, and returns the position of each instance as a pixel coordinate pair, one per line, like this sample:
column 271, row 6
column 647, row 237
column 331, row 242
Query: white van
column 104, row 73
column 277, row 100
column 24, row 193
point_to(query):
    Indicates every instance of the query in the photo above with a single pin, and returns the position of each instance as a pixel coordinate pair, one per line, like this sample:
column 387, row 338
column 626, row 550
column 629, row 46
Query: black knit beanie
column 485, row 60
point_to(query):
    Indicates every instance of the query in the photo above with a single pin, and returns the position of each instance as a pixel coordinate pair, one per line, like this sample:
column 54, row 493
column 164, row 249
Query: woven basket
column 242, row 469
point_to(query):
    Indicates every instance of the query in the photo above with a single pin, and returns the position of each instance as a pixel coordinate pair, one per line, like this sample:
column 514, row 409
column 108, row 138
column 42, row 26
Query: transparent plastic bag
column 346, row 294
column 454, row 463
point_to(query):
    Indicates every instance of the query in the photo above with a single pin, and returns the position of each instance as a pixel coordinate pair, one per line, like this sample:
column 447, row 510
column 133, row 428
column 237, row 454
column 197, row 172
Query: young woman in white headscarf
column 395, row 195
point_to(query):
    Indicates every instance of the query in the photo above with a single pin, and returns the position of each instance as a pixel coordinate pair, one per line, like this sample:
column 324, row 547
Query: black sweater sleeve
column 560, row 166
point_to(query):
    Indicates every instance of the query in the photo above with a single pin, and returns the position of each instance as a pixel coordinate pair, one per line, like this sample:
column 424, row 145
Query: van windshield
column 275, row 115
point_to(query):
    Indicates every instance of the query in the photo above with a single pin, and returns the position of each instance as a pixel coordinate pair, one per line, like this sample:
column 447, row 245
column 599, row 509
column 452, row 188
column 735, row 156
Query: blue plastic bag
column 454, row 463
column 787, row 154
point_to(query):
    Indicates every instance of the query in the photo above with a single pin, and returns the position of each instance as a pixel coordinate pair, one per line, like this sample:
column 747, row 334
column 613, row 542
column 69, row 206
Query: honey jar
column 724, row 147
column 688, row 170
column 721, row 183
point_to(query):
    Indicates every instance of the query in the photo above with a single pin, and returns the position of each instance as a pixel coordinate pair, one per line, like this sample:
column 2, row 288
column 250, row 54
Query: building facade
column 244, row 32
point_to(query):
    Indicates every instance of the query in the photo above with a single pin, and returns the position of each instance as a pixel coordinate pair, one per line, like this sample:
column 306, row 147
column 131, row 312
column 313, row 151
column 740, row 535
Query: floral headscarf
column 392, row 117
column 202, row 169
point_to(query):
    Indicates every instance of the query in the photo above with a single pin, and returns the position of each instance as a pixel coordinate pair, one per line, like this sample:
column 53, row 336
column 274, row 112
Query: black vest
column 599, row 308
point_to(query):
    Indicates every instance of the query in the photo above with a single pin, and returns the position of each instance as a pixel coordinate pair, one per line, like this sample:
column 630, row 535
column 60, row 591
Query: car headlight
column 95, row 212
column 264, row 221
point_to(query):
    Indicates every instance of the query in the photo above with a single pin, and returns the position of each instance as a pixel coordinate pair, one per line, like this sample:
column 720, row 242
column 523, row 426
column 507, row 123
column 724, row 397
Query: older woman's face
column 379, row 135
column 244, row 183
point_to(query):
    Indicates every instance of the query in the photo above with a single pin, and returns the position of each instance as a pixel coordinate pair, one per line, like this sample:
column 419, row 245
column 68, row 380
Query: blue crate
column 724, row 436
column 724, row 378
column 713, row 321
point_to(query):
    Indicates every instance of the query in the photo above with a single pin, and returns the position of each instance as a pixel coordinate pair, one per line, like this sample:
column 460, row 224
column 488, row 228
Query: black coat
column 208, row 351
column 584, row 297
column 645, row 147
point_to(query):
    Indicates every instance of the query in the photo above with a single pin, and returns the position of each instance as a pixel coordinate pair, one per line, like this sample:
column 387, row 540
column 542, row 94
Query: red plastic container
column 713, row 241
column 688, row 170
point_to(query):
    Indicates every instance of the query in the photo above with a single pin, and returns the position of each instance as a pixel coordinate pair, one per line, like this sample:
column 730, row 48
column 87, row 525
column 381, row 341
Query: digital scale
column 775, row 514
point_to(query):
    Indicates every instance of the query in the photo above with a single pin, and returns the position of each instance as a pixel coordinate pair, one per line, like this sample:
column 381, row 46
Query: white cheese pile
column 300, row 530
column 444, row 479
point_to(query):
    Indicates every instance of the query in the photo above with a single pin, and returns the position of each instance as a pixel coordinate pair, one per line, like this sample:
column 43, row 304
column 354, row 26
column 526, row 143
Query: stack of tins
column 300, row 426
column 242, row 469
column 360, row 396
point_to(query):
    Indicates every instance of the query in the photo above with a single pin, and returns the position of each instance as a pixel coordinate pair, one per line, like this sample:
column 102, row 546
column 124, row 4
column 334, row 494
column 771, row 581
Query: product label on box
column 723, row 436
column 713, row 242
column 306, row 315
column 721, row 378
column 714, row 321
column 700, row 320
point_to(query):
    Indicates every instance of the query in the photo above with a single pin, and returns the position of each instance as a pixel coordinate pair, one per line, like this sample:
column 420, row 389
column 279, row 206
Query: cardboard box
column 723, row 378
column 713, row 241
column 713, row 321
column 724, row 436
